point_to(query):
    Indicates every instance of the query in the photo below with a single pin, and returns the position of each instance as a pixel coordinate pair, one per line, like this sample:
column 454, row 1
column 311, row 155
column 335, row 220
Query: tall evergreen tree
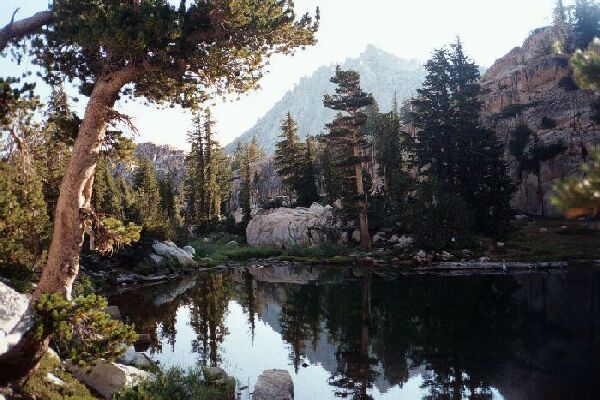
column 350, row 100
column 452, row 146
column 147, row 197
column 307, row 187
column 288, row 156
column 250, row 154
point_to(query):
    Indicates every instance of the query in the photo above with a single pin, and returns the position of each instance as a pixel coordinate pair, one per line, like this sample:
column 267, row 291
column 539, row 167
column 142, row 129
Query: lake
column 379, row 334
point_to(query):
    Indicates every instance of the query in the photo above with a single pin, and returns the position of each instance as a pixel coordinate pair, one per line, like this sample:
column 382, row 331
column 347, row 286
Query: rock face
column 533, row 85
column 109, row 378
column 170, row 251
column 285, row 227
column 15, row 318
column 274, row 384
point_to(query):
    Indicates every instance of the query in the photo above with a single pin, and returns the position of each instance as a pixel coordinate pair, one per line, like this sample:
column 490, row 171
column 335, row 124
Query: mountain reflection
column 475, row 337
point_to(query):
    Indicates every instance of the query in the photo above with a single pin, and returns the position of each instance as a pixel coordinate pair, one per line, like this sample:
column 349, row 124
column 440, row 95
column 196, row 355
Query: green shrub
column 438, row 219
column 176, row 384
column 324, row 250
column 81, row 330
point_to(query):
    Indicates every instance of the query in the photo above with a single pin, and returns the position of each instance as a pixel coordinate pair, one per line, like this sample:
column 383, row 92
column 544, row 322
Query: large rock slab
column 108, row 378
column 285, row 227
column 15, row 317
column 171, row 251
column 274, row 384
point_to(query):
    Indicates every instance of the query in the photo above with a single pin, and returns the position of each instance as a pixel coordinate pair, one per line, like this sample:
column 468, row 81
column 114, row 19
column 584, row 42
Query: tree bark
column 365, row 238
column 67, row 237
column 15, row 30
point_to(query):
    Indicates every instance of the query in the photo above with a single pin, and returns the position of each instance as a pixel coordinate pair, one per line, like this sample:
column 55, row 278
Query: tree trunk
column 365, row 238
column 67, row 237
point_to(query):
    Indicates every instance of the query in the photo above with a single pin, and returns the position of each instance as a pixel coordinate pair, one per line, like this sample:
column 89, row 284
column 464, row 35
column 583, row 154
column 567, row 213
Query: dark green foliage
column 586, row 66
column 519, row 140
column 438, row 218
column 106, row 196
column 452, row 149
column 548, row 123
column 307, row 191
column 586, row 23
column 81, row 330
column 168, row 44
column 208, row 175
column 346, row 140
column 288, row 155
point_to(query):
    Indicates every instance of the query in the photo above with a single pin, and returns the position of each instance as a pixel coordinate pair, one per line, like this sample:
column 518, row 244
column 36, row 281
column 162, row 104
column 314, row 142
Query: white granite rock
column 274, row 384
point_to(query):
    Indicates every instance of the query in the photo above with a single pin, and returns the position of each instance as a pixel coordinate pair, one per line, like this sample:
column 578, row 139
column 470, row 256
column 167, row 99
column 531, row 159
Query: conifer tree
column 250, row 154
column 452, row 147
column 350, row 100
column 169, row 54
column 106, row 197
column 288, row 156
column 307, row 187
column 147, row 198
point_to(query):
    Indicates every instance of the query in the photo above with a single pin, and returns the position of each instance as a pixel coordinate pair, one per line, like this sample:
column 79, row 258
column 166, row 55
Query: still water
column 353, row 333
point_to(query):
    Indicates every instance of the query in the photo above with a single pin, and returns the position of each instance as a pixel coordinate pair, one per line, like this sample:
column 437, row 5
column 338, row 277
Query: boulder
column 274, row 384
column 190, row 250
column 285, row 227
column 403, row 242
column 171, row 251
column 156, row 259
column 356, row 235
column 15, row 317
column 379, row 236
column 136, row 359
column 233, row 243
column 106, row 378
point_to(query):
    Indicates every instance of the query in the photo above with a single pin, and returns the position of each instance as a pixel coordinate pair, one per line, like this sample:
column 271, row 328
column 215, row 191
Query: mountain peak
column 382, row 74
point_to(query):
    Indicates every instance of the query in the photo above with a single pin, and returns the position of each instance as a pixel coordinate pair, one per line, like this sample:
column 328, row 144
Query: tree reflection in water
column 533, row 336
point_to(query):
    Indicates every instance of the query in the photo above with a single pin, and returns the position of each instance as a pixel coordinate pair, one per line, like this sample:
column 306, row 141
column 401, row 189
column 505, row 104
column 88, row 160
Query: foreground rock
column 274, row 384
column 168, row 251
column 107, row 379
column 15, row 317
column 285, row 227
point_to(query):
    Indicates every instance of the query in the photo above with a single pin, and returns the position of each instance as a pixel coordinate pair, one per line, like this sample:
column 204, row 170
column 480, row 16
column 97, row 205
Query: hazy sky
column 406, row 28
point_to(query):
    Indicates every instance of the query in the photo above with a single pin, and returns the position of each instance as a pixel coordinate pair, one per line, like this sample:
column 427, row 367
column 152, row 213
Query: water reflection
column 363, row 335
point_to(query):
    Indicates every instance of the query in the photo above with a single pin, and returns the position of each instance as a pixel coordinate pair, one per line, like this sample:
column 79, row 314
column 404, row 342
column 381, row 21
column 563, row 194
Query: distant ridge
column 382, row 74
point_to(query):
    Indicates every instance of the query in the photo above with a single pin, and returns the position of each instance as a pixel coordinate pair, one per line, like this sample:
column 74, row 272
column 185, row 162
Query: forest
column 468, row 176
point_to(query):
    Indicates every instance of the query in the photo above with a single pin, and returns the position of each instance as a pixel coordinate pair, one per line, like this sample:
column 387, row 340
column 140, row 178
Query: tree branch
column 15, row 30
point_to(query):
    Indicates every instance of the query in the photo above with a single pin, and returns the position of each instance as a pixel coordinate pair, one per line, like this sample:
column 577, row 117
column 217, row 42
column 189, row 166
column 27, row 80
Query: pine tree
column 586, row 24
column 307, row 187
column 147, row 198
column 106, row 196
column 452, row 147
column 350, row 100
column 289, row 157
column 250, row 154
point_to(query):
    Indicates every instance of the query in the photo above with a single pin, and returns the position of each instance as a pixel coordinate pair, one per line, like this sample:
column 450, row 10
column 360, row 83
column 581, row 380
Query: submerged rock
column 274, row 384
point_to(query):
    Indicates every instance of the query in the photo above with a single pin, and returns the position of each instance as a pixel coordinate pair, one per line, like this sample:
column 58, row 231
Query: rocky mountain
column 382, row 74
column 533, row 85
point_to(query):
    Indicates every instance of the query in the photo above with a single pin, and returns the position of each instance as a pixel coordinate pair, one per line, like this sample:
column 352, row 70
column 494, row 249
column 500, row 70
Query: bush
column 176, row 384
column 81, row 330
column 512, row 110
column 437, row 218
column 324, row 250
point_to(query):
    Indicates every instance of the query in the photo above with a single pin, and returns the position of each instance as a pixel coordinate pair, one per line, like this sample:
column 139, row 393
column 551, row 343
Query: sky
column 405, row 28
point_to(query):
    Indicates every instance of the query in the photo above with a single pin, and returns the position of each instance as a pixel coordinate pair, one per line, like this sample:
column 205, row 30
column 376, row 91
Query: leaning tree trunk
column 365, row 238
column 67, row 237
